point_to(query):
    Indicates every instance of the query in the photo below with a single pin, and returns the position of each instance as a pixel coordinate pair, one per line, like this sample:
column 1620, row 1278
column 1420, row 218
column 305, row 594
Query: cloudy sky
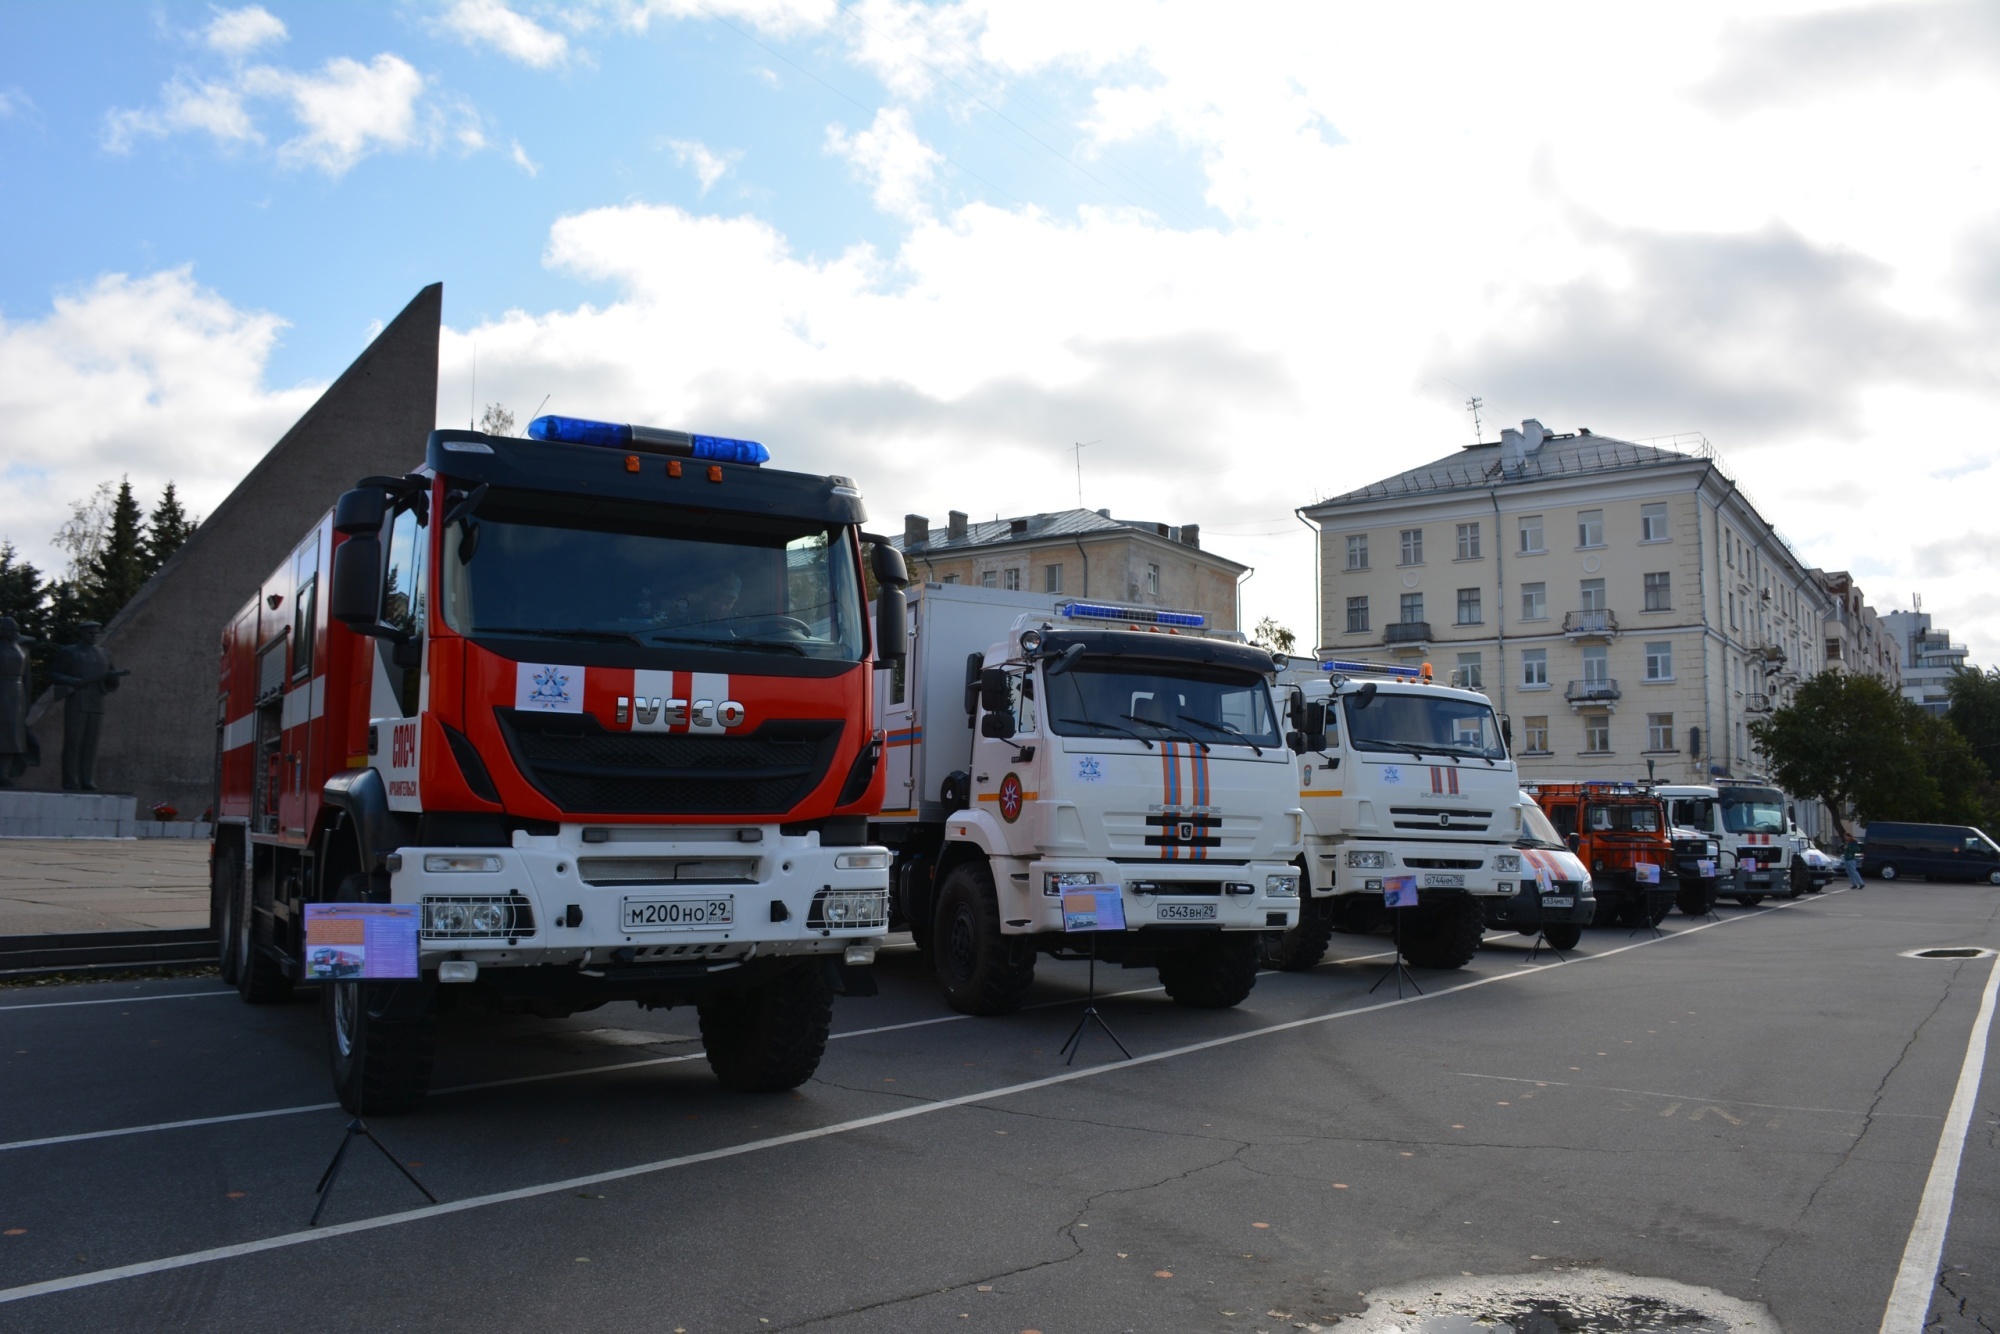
column 1255, row 253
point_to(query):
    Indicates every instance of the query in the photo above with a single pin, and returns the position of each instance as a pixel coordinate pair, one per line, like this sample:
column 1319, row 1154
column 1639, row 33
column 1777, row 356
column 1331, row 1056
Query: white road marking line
column 94, row 1278
column 1916, row 1280
column 128, row 1000
column 1695, row 1097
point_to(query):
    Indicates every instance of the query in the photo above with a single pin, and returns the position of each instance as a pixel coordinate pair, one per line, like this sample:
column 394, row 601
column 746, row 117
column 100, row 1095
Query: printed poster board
column 1646, row 873
column 1400, row 891
column 1094, row 908
column 351, row 941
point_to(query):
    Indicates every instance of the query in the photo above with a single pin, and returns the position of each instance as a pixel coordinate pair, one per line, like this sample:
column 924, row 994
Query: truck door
column 900, row 719
column 1004, row 768
column 299, row 713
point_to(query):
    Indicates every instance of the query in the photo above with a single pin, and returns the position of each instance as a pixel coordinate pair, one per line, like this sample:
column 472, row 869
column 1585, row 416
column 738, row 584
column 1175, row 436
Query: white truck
column 1037, row 745
column 1399, row 776
column 1748, row 823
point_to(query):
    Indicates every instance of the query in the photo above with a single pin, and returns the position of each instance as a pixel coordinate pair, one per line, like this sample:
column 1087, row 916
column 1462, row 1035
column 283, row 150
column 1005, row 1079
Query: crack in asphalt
column 1936, row 1320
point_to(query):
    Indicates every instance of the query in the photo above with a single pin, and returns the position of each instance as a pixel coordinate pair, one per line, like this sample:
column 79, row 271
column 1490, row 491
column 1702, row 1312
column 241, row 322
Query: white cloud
column 14, row 102
column 520, row 158
column 238, row 32
column 708, row 166
column 215, row 108
column 779, row 18
column 492, row 23
column 897, row 165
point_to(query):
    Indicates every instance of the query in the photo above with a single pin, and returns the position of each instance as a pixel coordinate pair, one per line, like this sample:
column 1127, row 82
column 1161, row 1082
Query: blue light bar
column 647, row 440
column 1098, row 611
column 1372, row 669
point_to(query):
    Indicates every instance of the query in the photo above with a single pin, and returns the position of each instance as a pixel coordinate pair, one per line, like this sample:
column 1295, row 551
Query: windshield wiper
column 1191, row 738
column 1110, row 727
column 1224, row 728
column 600, row 636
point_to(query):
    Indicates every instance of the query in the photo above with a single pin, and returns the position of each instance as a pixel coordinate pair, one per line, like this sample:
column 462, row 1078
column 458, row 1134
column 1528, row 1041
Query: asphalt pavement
column 1750, row 1105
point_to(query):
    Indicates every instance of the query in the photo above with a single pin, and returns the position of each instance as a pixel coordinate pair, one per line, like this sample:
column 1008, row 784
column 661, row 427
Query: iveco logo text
column 682, row 713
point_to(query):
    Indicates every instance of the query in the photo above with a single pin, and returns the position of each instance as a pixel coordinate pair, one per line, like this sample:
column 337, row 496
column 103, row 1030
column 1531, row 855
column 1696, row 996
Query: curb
column 106, row 952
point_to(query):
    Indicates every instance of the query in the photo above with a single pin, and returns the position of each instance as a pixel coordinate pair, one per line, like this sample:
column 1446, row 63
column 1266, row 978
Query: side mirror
column 996, row 697
column 355, row 596
column 1314, row 719
column 1574, row 841
column 1295, row 742
column 360, row 510
column 1295, row 706
column 974, row 664
column 887, row 563
column 1507, row 731
column 892, row 626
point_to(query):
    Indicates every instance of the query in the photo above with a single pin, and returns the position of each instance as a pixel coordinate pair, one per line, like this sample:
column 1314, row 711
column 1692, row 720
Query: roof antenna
column 1473, row 405
column 1079, row 447
column 544, row 403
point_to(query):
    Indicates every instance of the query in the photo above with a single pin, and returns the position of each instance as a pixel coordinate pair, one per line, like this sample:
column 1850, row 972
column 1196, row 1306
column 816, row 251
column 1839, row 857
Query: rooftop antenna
column 1079, row 446
column 539, row 406
column 1473, row 405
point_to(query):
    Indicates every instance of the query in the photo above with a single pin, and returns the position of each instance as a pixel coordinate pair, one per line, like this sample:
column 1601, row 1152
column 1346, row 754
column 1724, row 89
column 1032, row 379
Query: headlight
column 1031, row 642
column 1372, row 861
column 489, row 919
column 1714, row 851
column 849, row 908
column 861, row 861
column 1281, row 886
column 1508, row 862
column 1055, row 882
column 448, row 918
column 461, row 861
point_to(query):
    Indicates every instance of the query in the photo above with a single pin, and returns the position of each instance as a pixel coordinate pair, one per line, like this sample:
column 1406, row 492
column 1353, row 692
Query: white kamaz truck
column 1399, row 777
column 1037, row 745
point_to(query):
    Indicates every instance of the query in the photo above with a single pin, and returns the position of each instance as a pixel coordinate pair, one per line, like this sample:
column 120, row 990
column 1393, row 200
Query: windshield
column 1536, row 829
column 1429, row 724
column 551, row 566
column 1694, row 812
column 1623, row 819
column 1753, row 810
column 1217, row 706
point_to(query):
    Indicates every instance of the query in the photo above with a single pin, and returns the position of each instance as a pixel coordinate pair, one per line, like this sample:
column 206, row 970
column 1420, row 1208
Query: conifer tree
column 166, row 529
column 119, row 567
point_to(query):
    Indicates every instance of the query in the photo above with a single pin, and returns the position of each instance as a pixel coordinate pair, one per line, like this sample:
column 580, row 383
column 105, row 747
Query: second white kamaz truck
column 1400, row 777
column 1037, row 745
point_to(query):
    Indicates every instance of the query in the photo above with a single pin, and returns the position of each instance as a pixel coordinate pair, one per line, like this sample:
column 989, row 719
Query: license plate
column 1185, row 912
column 1436, row 881
column 679, row 914
column 1554, row 901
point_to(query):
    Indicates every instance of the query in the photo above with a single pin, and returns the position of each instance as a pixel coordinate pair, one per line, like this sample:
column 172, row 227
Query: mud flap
column 850, row 980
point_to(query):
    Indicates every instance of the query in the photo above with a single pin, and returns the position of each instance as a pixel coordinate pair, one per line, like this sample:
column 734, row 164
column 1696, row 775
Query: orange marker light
column 673, row 467
column 715, row 472
column 631, row 463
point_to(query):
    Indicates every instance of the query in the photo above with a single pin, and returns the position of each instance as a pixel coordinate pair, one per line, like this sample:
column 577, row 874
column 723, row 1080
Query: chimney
column 1017, row 527
column 1516, row 446
column 1104, row 514
column 955, row 526
column 916, row 531
column 1191, row 535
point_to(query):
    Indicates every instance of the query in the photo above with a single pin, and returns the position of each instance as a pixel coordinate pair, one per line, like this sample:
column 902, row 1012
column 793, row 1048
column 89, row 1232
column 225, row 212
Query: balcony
column 1771, row 653
column 1407, row 632
column 1585, row 694
column 1756, row 704
column 1591, row 623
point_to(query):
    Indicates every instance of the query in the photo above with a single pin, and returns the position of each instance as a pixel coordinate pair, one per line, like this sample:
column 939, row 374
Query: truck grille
column 1440, row 817
column 1444, row 863
column 574, row 762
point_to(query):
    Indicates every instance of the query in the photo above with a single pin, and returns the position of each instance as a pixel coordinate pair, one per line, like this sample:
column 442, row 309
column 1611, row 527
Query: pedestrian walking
column 1850, row 862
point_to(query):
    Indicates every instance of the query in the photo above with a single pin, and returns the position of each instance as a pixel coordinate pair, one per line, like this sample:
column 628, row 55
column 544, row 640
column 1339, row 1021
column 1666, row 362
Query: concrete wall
column 159, row 735
column 1190, row 580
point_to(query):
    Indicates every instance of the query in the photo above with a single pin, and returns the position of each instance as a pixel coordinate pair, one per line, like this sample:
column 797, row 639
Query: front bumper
column 1164, row 894
column 657, row 894
column 1572, row 902
column 1471, row 867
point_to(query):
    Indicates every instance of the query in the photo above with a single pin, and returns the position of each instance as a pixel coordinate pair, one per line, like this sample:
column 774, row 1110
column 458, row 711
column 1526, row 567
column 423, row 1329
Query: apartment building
column 1082, row 554
column 1626, row 604
column 1928, row 658
column 1856, row 639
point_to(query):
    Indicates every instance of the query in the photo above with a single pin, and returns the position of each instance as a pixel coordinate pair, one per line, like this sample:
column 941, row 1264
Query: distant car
column 1891, row 850
column 1819, row 868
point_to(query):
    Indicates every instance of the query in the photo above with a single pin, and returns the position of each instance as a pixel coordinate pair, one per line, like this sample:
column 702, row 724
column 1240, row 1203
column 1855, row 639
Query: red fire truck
column 598, row 704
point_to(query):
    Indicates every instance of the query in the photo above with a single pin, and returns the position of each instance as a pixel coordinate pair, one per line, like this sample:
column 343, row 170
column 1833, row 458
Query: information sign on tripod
column 1398, row 891
column 1089, row 909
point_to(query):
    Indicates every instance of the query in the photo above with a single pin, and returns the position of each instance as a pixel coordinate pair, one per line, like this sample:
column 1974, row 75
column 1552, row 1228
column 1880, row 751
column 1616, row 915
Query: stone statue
column 17, row 744
column 83, row 676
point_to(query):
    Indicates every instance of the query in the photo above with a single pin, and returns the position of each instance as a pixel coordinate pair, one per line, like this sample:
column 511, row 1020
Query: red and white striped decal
column 1444, row 780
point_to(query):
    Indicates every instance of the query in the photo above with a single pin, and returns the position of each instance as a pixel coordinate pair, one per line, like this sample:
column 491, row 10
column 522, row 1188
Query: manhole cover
column 1579, row 1301
column 1950, row 952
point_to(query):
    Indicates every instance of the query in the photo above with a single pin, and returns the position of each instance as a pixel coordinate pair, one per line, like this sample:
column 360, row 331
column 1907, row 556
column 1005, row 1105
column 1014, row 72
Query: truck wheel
column 1445, row 937
column 259, row 978
column 1215, row 974
column 1691, row 898
column 770, row 1039
column 1749, row 900
column 1357, row 914
column 1656, row 907
column 1302, row 946
column 980, row 970
column 1562, row 935
column 1887, row 871
column 381, row 1067
column 226, row 878
column 1608, row 911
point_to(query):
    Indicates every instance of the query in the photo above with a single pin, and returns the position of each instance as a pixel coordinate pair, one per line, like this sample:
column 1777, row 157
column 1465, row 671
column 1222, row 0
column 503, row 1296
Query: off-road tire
column 260, row 980
column 1749, row 900
column 1214, row 975
column 1563, row 935
column 979, row 970
column 1445, row 937
column 1301, row 947
column 1656, row 906
column 1888, row 871
column 1694, row 898
column 226, row 886
column 769, row 1039
column 381, row 1067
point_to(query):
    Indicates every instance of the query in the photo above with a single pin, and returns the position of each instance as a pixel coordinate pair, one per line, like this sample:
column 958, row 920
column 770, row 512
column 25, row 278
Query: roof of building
column 1054, row 524
column 1477, row 467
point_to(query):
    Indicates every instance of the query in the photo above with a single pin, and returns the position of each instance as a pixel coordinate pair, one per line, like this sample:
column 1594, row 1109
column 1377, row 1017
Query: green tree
column 1975, row 711
column 119, row 567
column 1952, row 766
column 1272, row 635
column 23, row 594
column 166, row 529
column 1849, row 741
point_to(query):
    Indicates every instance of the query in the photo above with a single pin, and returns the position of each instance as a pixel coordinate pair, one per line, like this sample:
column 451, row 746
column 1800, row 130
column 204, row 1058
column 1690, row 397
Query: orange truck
column 1620, row 832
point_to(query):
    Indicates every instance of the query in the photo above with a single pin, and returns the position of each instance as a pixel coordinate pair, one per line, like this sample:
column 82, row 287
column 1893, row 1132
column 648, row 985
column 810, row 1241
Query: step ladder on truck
column 1401, row 777
column 1038, row 745
column 589, row 715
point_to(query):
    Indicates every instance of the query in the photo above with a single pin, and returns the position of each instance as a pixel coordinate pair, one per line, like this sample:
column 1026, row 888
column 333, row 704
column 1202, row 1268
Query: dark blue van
column 1891, row 849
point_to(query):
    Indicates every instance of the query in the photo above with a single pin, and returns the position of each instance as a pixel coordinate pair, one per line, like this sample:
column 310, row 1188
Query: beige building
column 1080, row 554
column 1624, row 603
column 1856, row 638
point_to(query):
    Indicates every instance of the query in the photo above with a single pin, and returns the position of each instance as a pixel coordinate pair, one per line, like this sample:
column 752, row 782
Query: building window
column 1653, row 522
column 1413, row 546
column 1660, row 662
column 1535, row 733
column 1597, row 733
column 989, row 579
column 1531, row 533
column 1660, row 592
column 1357, row 615
column 1659, row 731
column 1469, row 673
column 1534, row 602
column 1596, row 665
column 949, row 579
column 1833, row 650
column 1590, row 528
column 1468, row 606
column 1535, row 668
column 1468, row 541
column 1152, row 581
column 1010, row 579
column 1357, row 551
column 1733, row 623
column 1052, row 579
column 1413, row 608
column 1591, row 592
